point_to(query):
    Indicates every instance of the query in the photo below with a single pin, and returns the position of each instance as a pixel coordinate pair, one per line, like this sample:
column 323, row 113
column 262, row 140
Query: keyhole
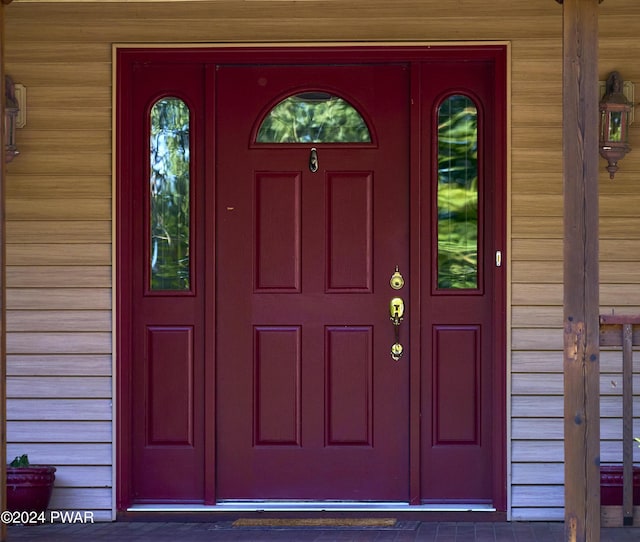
column 313, row 160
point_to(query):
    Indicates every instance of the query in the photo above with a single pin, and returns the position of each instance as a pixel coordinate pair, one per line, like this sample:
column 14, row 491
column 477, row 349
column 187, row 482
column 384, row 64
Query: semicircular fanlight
column 313, row 117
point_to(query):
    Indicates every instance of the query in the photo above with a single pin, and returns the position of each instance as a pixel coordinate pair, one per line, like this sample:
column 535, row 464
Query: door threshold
column 312, row 506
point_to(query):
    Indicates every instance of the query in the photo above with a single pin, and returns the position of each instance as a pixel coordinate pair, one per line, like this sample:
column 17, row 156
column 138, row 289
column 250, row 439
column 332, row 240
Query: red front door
column 310, row 403
column 255, row 363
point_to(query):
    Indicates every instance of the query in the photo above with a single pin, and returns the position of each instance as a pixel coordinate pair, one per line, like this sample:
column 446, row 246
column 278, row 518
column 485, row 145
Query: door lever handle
column 396, row 314
column 396, row 310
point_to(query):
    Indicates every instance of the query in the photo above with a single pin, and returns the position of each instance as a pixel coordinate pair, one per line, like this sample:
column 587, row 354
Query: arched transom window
column 313, row 117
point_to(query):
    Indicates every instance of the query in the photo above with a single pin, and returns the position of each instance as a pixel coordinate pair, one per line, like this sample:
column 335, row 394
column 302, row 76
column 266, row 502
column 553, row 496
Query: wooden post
column 3, row 334
column 581, row 281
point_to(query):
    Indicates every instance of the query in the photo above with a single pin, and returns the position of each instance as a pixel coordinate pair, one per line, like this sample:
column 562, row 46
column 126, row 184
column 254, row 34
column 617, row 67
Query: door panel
column 349, row 231
column 277, row 246
column 310, row 403
column 167, row 364
column 458, row 326
column 170, row 369
column 456, row 375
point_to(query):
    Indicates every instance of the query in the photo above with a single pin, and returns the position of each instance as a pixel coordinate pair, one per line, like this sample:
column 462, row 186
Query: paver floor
column 403, row 531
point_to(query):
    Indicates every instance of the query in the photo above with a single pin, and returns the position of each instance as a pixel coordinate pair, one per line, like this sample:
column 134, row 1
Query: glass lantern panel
column 169, row 189
column 457, row 201
column 313, row 117
column 615, row 126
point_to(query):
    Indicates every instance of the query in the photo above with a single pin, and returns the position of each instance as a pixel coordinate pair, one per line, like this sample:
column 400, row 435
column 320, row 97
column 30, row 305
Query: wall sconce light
column 615, row 117
column 10, row 120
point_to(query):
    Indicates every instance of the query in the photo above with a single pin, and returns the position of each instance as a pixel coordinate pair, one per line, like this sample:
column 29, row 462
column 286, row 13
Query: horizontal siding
column 553, row 428
column 73, row 476
column 539, row 361
column 301, row 24
column 537, row 403
column 60, row 276
column 552, row 451
column 65, row 232
column 58, row 387
column 59, row 409
column 544, row 496
column 59, row 365
column 550, row 272
column 58, row 454
column 621, row 296
column 552, row 204
column 552, row 384
column 55, row 343
column 25, row 185
column 61, row 298
column 50, row 431
column 73, row 498
column 527, row 406
column 537, row 514
column 618, row 250
column 41, row 208
column 543, row 473
column 48, row 254
column 59, row 206
column 31, row 321
column 85, row 163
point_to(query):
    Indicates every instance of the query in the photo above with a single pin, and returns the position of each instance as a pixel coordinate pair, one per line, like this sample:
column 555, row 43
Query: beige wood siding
column 59, row 211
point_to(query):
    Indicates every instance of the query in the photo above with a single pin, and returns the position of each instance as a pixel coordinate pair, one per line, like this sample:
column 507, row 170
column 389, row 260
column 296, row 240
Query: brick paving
column 403, row 531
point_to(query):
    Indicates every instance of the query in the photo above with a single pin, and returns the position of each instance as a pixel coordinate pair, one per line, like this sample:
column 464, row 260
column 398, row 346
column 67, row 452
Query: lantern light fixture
column 11, row 110
column 615, row 117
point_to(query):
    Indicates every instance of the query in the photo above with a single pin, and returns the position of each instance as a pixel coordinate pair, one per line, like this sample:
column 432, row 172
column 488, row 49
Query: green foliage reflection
column 457, row 194
column 169, row 193
column 313, row 118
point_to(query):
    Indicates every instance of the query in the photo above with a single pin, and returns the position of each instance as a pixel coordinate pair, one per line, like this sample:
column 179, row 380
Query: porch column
column 581, row 282
column 3, row 335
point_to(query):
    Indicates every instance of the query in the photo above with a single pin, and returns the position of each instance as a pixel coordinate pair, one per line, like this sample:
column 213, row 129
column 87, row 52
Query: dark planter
column 29, row 488
column 611, row 485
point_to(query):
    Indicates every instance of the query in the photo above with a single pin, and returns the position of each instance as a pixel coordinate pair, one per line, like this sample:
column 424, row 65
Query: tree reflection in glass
column 313, row 117
column 457, row 194
column 169, row 196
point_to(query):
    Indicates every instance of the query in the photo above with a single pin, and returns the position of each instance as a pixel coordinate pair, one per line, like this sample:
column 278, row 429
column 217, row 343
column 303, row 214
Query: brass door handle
column 396, row 312
column 397, row 280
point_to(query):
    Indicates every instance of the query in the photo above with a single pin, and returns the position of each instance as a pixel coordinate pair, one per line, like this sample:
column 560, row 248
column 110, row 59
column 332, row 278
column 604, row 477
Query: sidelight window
column 169, row 195
column 457, row 199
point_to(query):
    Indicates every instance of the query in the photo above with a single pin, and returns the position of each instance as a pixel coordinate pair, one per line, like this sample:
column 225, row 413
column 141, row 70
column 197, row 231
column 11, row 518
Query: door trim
column 123, row 55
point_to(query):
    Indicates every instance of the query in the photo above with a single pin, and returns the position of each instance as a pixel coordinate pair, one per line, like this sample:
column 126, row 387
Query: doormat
column 316, row 522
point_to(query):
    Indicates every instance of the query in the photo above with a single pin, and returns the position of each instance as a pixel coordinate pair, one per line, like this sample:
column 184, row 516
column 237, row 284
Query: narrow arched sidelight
column 313, row 117
column 457, row 200
column 169, row 196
